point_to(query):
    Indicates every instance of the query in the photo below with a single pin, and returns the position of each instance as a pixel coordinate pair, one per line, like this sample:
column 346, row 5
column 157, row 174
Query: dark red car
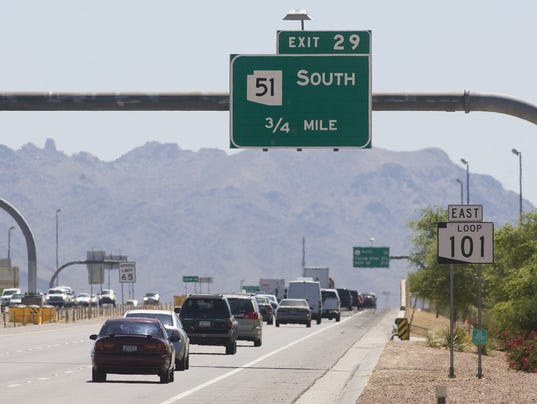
column 133, row 345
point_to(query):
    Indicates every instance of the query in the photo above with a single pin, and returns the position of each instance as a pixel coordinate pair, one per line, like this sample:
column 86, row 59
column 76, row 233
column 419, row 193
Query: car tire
column 98, row 376
column 166, row 376
column 308, row 324
column 277, row 323
column 182, row 364
column 231, row 349
column 258, row 342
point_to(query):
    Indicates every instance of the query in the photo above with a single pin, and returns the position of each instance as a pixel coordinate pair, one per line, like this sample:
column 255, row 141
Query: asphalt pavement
column 345, row 381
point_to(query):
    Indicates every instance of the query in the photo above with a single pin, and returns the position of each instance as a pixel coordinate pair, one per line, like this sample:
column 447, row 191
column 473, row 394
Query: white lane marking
column 248, row 365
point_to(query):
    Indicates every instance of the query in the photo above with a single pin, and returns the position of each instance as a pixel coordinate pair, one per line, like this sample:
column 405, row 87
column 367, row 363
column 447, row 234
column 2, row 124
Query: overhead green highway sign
column 300, row 101
column 190, row 278
column 323, row 42
column 371, row 257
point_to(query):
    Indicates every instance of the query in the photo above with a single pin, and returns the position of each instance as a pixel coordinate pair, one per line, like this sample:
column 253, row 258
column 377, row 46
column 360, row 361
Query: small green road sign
column 191, row 278
column 250, row 288
column 371, row 257
column 300, row 101
column 479, row 336
column 324, row 42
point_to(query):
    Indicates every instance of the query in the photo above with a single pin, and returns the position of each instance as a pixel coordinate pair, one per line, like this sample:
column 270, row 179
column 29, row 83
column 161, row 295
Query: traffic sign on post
column 371, row 257
column 465, row 243
column 324, row 42
column 465, row 213
column 479, row 336
column 127, row 272
column 190, row 278
column 300, row 101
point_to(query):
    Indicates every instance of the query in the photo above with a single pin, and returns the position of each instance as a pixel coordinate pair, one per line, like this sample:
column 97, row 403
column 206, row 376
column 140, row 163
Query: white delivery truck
column 274, row 287
column 309, row 290
column 319, row 274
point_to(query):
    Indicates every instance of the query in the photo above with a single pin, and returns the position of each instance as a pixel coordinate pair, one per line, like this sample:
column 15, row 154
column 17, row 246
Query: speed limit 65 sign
column 465, row 243
column 127, row 272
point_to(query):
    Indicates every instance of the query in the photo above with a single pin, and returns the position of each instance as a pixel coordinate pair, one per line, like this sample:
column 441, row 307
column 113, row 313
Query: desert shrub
column 441, row 340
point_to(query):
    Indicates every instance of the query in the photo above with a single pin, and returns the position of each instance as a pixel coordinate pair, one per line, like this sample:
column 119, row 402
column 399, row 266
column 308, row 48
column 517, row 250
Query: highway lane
column 50, row 363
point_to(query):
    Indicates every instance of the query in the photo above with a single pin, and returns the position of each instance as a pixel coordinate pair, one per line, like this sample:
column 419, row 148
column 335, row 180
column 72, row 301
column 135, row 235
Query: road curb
column 345, row 381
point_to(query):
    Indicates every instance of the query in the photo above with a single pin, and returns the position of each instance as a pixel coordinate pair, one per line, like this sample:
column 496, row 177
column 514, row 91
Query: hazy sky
column 486, row 46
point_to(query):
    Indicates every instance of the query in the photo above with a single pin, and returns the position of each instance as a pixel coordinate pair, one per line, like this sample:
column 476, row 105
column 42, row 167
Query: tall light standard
column 519, row 154
column 463, row 161
column 57, row 264
column 462, row 189
column 9, row 243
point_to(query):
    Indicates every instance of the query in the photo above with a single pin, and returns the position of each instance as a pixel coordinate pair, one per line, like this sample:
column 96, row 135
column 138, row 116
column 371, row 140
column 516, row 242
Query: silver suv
column 246, row 311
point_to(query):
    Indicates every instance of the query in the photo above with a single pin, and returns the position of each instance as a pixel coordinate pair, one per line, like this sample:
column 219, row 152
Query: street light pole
column 9, row 243
column 462, row 190
column 519, row 154
column 57, row 265
column 463, row 161
column 298, row 15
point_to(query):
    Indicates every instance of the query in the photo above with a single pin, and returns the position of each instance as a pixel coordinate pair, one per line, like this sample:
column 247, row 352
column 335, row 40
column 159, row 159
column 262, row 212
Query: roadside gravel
column 410, row 371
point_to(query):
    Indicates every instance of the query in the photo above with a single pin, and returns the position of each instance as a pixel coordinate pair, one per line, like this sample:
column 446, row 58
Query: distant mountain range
column 235, row 218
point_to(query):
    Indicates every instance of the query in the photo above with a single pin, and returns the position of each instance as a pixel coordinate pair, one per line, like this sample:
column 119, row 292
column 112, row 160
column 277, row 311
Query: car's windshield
column 328, row 294
column 165, row 319
column 294, row 303
column 196, row 308
column 56, row 291
column 262, row 300
column 240, row 306
column 131, row 328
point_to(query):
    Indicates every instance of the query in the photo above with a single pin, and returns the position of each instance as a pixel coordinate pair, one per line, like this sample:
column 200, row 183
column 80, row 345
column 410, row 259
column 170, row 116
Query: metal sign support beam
column 448, row 102
column 78, row 262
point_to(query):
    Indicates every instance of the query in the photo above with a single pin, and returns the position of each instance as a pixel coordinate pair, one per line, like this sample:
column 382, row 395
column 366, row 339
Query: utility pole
column 303, row 252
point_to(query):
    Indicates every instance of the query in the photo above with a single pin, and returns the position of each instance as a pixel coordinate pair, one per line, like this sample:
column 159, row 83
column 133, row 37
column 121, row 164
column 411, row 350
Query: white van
column 331, row 304
column 309, row 290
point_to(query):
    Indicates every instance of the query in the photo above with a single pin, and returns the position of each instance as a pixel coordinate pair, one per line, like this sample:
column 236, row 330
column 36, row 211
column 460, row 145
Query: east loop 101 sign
column 465, row 243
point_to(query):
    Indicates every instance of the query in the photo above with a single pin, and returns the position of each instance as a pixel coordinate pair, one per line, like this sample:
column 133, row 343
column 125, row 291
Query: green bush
column 441, row 340
column 521, row 351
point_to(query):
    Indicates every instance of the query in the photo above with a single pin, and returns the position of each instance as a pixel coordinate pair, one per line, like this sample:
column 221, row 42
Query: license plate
column 129, row 348
column 204, row 323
